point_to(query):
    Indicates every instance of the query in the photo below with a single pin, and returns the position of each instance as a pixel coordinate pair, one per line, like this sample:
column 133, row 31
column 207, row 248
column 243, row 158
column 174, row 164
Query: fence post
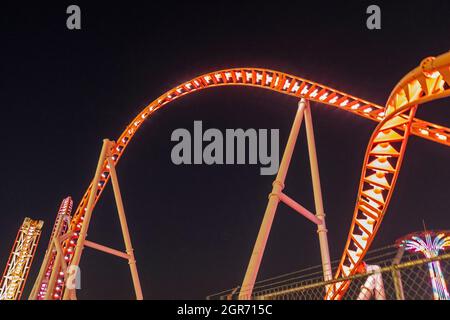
column 396, row 275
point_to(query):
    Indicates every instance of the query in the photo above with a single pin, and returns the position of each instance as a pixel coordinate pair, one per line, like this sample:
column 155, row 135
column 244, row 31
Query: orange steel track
column 384, row 154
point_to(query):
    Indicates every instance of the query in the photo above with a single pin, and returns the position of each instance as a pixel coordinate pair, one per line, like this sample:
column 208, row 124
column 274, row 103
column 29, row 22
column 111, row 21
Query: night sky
column 193, row 227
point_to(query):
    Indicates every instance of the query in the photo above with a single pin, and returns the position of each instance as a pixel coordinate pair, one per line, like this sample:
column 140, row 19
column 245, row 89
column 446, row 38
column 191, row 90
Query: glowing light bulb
column 305, row 90
column 334, row 100
column 323, row 97
column 343, row 104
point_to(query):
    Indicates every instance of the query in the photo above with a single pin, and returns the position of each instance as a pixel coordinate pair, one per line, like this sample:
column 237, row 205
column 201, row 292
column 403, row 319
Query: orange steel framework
column 382, row 163
column 20, row 260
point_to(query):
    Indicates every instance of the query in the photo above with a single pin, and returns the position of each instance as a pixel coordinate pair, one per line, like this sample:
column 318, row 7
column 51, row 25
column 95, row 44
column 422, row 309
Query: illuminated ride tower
column 47, row 285
column 20, row 260
column 429, row 243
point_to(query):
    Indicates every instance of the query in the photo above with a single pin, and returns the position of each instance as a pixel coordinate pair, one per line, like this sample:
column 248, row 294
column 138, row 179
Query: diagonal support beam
column 299, row 208
column 106, row 249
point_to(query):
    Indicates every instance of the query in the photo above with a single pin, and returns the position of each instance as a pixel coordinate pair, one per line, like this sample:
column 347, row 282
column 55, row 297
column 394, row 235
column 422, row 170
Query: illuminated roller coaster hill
column 382, row 163
column 20, row 260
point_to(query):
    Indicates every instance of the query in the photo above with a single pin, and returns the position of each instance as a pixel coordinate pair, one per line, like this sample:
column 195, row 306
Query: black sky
column 193, row 227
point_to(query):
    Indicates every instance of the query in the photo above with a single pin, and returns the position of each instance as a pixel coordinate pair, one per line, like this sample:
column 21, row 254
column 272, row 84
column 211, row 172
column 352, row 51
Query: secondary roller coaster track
column 383, row 158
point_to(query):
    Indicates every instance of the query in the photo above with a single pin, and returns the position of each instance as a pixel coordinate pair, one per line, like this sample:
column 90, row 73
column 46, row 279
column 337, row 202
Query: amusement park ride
column 382, row 163
column 430, row 243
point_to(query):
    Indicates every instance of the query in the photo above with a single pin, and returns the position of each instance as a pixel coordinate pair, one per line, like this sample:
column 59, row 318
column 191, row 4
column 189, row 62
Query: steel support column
column 125, row 231
column 87, row 217
column 320, row 213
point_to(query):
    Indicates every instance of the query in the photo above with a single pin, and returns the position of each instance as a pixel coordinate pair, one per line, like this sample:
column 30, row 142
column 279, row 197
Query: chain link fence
column 391, row 274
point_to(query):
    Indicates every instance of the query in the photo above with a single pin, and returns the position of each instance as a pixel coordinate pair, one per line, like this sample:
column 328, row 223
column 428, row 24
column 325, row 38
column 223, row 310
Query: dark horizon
column 193, row 227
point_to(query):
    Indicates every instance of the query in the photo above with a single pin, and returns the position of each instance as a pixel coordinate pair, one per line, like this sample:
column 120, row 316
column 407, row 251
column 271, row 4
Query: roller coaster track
column 382, row 162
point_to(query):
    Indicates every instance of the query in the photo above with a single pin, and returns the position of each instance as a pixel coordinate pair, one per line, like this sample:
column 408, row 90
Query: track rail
column 259, row 78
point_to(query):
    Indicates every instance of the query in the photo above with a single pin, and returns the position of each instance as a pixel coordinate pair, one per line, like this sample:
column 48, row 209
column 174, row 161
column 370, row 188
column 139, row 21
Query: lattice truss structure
column 20, row 260
column 383, row 159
